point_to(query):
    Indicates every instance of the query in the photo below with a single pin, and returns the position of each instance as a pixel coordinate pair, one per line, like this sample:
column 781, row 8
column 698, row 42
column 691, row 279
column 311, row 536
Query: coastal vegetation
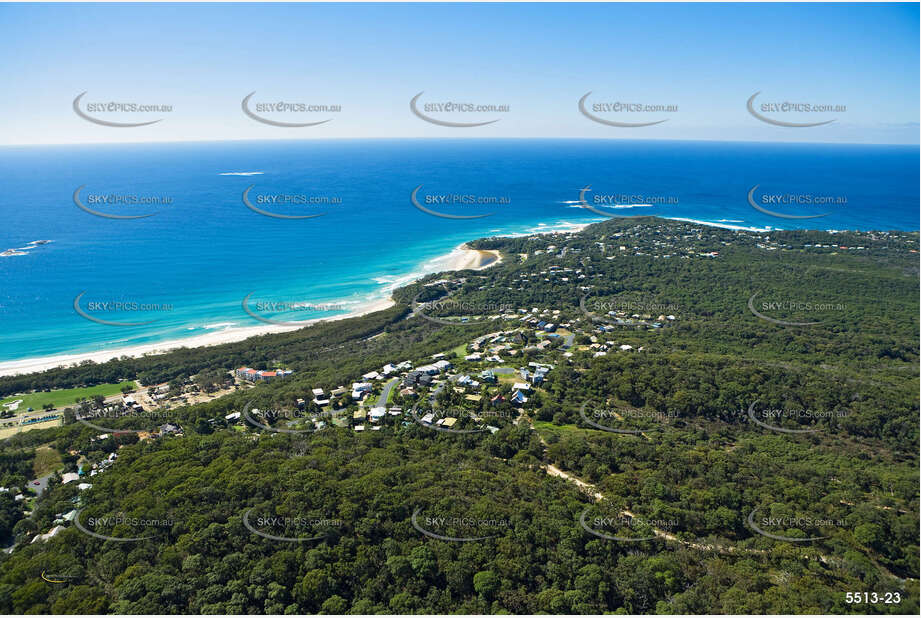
column 683, row 455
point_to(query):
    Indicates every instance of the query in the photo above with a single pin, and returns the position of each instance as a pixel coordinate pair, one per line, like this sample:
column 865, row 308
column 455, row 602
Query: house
column 171, row 429
column 359, row 427
column 428, row 418
column 443, row 365
column 317, row 392
column 360, row 390
column 377, row 413
column 626, row 347
column 448, row 422
column 497, row 400
column 68, row 477
column 395, row 411
column 488, row 376
column 373, row 375
column 518, row 398
column 408, row 392
column 359, row 415
column 48, row 535
column 233, row 416
column 418, row 377
column 253, row 375
column 476, row 356
column 82, row 486
column 521, row 386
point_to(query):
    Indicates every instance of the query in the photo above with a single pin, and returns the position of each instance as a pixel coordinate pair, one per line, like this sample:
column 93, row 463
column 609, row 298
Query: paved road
column 42, row 483
column 382, row 400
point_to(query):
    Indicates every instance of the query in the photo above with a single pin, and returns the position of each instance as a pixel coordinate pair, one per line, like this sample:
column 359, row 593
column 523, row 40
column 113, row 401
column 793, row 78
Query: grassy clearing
column 46, row 460
column 65, row 397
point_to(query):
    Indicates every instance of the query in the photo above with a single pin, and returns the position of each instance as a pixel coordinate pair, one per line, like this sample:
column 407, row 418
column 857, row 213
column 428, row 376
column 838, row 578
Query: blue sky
column 539, row 59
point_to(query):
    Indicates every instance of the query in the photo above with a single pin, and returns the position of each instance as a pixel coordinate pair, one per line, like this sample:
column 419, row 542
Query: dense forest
column 713, row 461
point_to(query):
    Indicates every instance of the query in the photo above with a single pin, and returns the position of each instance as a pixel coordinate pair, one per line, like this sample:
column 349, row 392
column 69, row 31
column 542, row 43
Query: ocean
column 105, row 283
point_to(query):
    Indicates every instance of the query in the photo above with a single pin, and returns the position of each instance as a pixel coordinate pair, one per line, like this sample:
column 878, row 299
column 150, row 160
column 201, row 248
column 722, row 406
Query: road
column 385, row 393
column 42, row 483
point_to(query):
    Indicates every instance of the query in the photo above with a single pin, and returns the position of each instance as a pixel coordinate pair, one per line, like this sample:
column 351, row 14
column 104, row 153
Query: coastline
column 461, row 258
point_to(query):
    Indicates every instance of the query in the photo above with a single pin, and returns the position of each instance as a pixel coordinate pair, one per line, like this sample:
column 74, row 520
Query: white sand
column 460, row 259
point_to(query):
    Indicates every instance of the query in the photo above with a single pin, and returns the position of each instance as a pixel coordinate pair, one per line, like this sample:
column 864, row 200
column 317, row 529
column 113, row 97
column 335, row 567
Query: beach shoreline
column 461, row 258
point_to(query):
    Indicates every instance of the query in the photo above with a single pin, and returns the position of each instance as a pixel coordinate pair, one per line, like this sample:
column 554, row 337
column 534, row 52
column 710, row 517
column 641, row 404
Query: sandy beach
column 462, row 258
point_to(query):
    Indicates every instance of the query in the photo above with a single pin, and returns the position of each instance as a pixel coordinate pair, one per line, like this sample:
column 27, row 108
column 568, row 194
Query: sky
column 704, row 60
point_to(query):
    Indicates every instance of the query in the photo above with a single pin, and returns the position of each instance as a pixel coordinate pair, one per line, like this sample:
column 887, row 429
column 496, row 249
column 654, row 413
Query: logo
column 620, row 415
column 285, row 107
column 113, row 106
column 622, row 107
column 610, row 521
column 786, row 107
column 115, row 521
column 431, row 423
column 787, row 305
column 772, row 213
column 104, row 215
column 783, row 521
column 457, row 522
column 121, row 306
column 454, row 107
column 254, row 422
column 266, row 213
column 287, row 523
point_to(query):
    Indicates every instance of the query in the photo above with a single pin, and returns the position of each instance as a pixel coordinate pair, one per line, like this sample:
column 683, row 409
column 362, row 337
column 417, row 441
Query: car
column 36, row 482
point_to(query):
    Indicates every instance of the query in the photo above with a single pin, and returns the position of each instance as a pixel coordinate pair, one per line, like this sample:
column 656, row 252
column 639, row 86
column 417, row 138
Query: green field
column 66, row 397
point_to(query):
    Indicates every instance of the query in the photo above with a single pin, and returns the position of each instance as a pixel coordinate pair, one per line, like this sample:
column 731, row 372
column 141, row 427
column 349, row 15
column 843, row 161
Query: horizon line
column 430, row 138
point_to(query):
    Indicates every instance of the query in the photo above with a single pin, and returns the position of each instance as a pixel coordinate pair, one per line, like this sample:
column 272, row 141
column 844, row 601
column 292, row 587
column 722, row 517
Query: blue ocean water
column 202, row 252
